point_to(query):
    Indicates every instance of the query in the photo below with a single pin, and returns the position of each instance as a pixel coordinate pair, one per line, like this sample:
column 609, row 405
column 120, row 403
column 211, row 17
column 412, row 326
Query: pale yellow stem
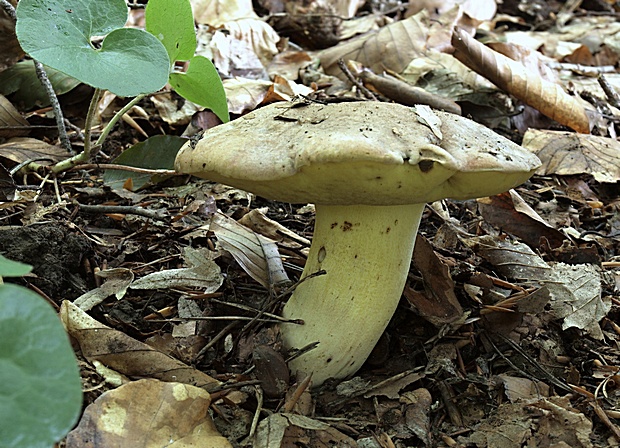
column 366, row 252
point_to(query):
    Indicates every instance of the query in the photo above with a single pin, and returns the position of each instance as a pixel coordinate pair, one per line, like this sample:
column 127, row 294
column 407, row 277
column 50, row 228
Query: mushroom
column 369, row 168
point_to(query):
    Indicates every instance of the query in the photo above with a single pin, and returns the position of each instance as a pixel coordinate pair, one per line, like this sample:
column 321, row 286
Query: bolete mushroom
column 369, row 168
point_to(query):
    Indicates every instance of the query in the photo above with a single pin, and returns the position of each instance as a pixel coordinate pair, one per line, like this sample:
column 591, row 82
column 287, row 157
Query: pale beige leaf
column 259, row 36
column 392, row 47
column 566, row 154
column 116, row 282
column 511, row 76
column 260, row 223
column 257, row 255
column 203, row 273
column 124, row 354
column 147, row 414
column 217, row 12
column 245, row 94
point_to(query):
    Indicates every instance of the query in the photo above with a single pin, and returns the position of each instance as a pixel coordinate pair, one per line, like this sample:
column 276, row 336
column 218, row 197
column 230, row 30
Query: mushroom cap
column 368, row 153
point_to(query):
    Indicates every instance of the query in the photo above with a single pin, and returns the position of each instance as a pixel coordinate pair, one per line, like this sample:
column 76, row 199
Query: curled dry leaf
column 511, row 76
column 437, row 303
column 148, row 413
column 566, row 154
column 125, row 354
column 257, row 255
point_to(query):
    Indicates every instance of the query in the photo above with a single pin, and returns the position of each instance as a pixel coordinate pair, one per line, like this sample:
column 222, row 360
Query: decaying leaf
column 284, row 430
column 217, row 12
column 20, row 149
column 511, row 76
column 116, row 282
column 437, row 303
column 257, row 255
column 575, row 290
column 125, row 354
column 148, row 413
column 202, row 272
column 565, row 154
column 392, row 47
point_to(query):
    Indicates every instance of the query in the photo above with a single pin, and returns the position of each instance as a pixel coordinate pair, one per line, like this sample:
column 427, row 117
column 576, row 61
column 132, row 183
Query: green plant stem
column 117, row 116
column 84, row 156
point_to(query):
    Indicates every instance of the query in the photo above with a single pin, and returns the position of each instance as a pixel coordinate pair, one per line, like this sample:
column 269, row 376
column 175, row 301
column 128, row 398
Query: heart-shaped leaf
column 58, row 33
column 202, row 85
column 172, row 22
column 40, row 386
column 10, row 268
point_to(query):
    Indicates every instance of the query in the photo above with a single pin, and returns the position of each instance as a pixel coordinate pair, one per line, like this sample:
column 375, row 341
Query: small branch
column 113, row 166
column 47, row 85
column 9, row 9
column 60, row 119
column 123, row 209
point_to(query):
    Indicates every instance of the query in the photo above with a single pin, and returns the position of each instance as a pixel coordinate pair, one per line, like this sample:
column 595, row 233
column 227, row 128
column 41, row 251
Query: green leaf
column 157, row 152
column 10, row 268
column 40, row 386
column 172, row 22
column 21, row 79
column 202, row 85
column 58, row 33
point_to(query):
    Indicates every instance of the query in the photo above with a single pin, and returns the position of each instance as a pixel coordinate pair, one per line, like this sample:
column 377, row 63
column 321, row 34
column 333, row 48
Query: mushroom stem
column 366, row 252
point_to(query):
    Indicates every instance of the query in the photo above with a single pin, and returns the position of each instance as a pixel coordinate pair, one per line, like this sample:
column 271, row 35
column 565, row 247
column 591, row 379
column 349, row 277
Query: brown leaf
column 438, row 303
column 565, row 154
column 392, row 47
column 508, row 212
column 124, row 353
column 512, row 77
column 148, row 413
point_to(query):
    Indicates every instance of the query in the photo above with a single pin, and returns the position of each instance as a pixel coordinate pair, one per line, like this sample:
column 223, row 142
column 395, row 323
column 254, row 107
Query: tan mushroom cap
column 368, row 153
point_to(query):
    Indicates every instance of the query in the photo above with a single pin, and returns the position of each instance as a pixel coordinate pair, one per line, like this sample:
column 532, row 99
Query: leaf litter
column 507, row 335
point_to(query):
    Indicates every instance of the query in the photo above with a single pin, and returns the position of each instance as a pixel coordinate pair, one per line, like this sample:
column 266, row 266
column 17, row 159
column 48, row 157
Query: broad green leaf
column 40, row 386
column 172, row 22
column 10, row 268
column 202, row 85
column 157, row 152
column 22, row 81
column 58, row 33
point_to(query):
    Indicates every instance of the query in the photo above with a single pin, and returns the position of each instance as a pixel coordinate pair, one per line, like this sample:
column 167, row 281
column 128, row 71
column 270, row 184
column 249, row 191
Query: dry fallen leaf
column 125, row 354
column 392, row 47
column 148, row 414
column 202, row 272
column 116, row 282
column 217, row 12
column 565, row 154
column 511, row 76
column 437, row 303
column 575, row 289
column 257, row 255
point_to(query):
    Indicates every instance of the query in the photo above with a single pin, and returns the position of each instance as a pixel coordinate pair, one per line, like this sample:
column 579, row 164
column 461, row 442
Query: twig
column 9, row 9
column 610, row 92
column 214, row 341
column 123, row 209
column 351, row 77
column 259, row 407
column 47, row 85
column 254, row 310
column 113, row 166
column 58, row 115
